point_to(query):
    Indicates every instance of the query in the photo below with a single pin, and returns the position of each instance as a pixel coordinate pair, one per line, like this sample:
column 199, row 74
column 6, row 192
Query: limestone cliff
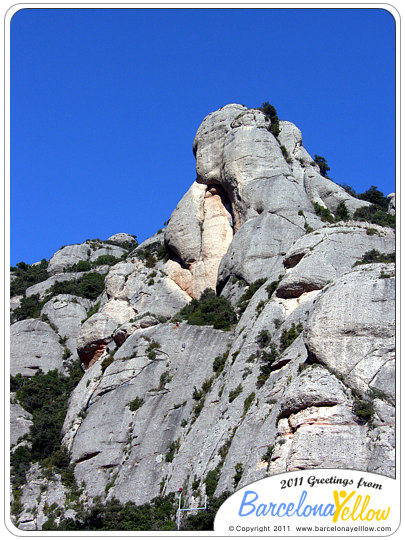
column 305, row 378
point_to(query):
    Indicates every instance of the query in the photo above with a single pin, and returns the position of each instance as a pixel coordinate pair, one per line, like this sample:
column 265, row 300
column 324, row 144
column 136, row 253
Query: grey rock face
column 15, row 302
column 90, row 251
column 20, row 422
column 183, row 232
column 94, row 336
column 43, row 287
column 139, row 436
column 328, row 194
column 313, row 387
column 67, row 256
column 125, row 330
column 251, row 260
column 34, row 345
column 352, row 328
column 38, row 495
column 233, row 147
column 132, row 290
column 112, row 251
column 318, row 258
column 121, row 238
column 199, row 233
column 391, row 203
column 66, row 312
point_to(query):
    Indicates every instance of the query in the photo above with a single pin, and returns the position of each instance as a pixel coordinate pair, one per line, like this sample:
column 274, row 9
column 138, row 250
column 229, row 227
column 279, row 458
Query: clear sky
column 105, row 104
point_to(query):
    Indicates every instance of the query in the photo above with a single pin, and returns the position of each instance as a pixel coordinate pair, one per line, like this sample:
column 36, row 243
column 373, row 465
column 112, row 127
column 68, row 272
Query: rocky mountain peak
column 289, row 364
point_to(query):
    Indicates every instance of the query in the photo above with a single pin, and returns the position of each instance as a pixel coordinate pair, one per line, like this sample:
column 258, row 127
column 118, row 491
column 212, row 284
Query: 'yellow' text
column 358, row 510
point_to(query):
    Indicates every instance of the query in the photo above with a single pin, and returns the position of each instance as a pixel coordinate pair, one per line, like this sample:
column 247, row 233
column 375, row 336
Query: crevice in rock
column 289, row 220
column 86, row 457
column 295, row 290
column 127, row 381
column 221, row 284
column 293, row 260
column 216, row 189
column 278, row 364
column 294, row 410
column 92, row 352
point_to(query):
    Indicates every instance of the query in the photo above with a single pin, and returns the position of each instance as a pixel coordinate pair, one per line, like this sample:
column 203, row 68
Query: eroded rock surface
column 34, row 345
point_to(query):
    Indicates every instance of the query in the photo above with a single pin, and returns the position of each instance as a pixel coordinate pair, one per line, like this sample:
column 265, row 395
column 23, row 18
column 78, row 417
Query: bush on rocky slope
column 45, row 396
column 27, row 275
column 209, row 309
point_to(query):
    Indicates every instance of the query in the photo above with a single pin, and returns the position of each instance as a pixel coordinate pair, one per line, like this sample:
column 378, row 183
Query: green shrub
column 375, row 197
column 88, row 286
column 203, row 520
column 364, row 410
column 371, row 231
column 323, row 166
column 247, row 295
column 324, row 213
column 152, row 253
column 106, row 362
column 198, row 407
column 173, row 447
column 267, row 455
column 248, row 402
column 260, row 307
column 219, row 362
column 374, row 214
column 158, row 515
column 129, row 245
column 151, row 350
column 197, row 394
column 27, row 275
column 267, row 359
column 210, row 309
column 285, row 153
column 136, row 403
column 30, row 308
column 211, row 482
column 384, row 275
column 349, row 190
column 206, row 385
column 303, row 366
column 165, row 378
column 20, row 462
column 233, row 394
column 238, row 475
column 271, row 114
column 273, row 286
column 289, row 336
column 45, row 396
column 109, row 260
column 374, row 256
column 82, row 266
column 92, row 311
column 91, row 285
column 342, row 213
column 263, row 338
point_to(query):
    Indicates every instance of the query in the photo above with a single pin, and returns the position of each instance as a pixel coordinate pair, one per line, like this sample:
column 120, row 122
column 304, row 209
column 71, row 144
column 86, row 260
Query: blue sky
column 105, row 104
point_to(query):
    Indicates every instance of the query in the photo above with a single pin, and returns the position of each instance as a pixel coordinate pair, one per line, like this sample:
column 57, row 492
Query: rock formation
column 304, row 379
